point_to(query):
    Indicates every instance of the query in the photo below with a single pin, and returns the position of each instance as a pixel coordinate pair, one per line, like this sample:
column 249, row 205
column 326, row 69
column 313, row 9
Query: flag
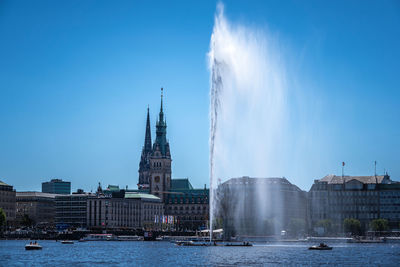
column 343, row 163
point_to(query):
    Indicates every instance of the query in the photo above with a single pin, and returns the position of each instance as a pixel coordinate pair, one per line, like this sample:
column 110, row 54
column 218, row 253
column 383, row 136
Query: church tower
column 144, row 165
column 160, row 159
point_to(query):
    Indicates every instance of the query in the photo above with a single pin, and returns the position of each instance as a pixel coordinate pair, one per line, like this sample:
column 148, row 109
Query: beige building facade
column 133, row 211
column 38, row 206
column 364, row 198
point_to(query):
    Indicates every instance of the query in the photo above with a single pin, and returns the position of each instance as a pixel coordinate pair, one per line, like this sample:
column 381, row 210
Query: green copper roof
column 3, row 183
column 113, row 187
column 140, row 195
column 181, row 184
column 145, row 191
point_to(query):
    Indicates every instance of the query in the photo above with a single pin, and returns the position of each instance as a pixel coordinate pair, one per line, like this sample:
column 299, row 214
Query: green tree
column 379, row 225
column 352, row 225
column 2, row 218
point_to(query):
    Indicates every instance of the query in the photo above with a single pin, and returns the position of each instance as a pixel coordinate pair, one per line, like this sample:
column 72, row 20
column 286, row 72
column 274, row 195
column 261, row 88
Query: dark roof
column 333, row 179
column 181, row 184
column 270, row 181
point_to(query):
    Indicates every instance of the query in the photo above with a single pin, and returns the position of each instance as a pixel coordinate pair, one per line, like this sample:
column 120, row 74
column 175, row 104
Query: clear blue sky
column 76, row 78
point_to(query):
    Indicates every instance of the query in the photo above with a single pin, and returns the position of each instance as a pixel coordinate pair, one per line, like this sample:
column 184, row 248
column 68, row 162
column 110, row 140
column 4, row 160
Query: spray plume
column 247, row 104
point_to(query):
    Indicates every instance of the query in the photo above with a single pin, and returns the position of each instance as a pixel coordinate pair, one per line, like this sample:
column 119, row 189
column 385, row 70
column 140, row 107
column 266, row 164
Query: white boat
column 33, row 246
column 184, row 243
column 100, row 237
column 67, row 242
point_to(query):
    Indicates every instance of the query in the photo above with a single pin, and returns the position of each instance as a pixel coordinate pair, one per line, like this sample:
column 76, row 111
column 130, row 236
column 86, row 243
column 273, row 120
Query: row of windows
column 369, row 201
column 357, row 193
column 71, row 203
column 157, row 164
column 191, row 218
column 7, row 193
column 390, row 201
column 354, row 208
column 187, row 208
column 188, row 200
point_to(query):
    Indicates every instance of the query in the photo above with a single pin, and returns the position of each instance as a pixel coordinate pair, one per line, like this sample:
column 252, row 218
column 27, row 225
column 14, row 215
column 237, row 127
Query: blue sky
column 76, row 78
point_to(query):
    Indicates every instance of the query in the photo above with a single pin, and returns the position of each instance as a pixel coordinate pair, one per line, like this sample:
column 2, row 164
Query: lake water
column 12, row 253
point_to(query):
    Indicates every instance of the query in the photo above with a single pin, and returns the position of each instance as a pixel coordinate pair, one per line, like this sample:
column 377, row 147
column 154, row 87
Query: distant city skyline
column 76, row 79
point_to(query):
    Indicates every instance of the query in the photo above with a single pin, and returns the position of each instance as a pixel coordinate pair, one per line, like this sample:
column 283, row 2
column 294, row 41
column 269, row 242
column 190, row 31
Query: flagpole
column 343, row 169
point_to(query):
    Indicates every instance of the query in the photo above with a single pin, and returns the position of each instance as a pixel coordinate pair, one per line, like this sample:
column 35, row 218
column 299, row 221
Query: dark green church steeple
column 161, row 132
column 144, row 165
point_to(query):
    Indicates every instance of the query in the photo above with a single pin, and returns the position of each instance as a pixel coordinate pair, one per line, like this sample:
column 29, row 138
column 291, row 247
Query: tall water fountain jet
column 247, row 106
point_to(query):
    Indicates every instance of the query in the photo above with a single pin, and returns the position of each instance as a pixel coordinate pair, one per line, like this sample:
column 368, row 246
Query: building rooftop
column 3, row 183
column 181, row 184
column 140, row 195
column 333, row 179
column 270, row 181
column 57, row 181
column 36, row 194
column 113, row 188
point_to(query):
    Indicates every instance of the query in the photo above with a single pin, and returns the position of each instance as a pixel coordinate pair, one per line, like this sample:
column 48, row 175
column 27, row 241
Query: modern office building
column 38, row 206
column 56, row 186
column 7, row 200
column 364, row 198
column 71, row 210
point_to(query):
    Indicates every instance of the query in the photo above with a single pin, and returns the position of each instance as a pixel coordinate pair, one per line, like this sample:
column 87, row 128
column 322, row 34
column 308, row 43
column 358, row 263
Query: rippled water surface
column 12, row 253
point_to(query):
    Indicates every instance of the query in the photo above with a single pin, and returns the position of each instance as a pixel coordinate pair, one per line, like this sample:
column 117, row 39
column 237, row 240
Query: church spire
column 161, row 118
column 144, row 165
column 147, row 139
column 161, row 132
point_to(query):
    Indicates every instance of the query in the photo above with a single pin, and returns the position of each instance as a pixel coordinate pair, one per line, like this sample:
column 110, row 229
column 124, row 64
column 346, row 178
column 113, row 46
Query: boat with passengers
column 33, row 246
column 321, row 246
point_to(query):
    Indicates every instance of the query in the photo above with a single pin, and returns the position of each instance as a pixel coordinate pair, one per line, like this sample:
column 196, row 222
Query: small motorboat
column 67, row 242
column 321, row 246
column 184, row 243
column 33, row 246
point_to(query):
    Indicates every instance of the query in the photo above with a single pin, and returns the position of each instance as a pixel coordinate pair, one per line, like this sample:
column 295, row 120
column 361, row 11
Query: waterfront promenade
column 138, row 253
